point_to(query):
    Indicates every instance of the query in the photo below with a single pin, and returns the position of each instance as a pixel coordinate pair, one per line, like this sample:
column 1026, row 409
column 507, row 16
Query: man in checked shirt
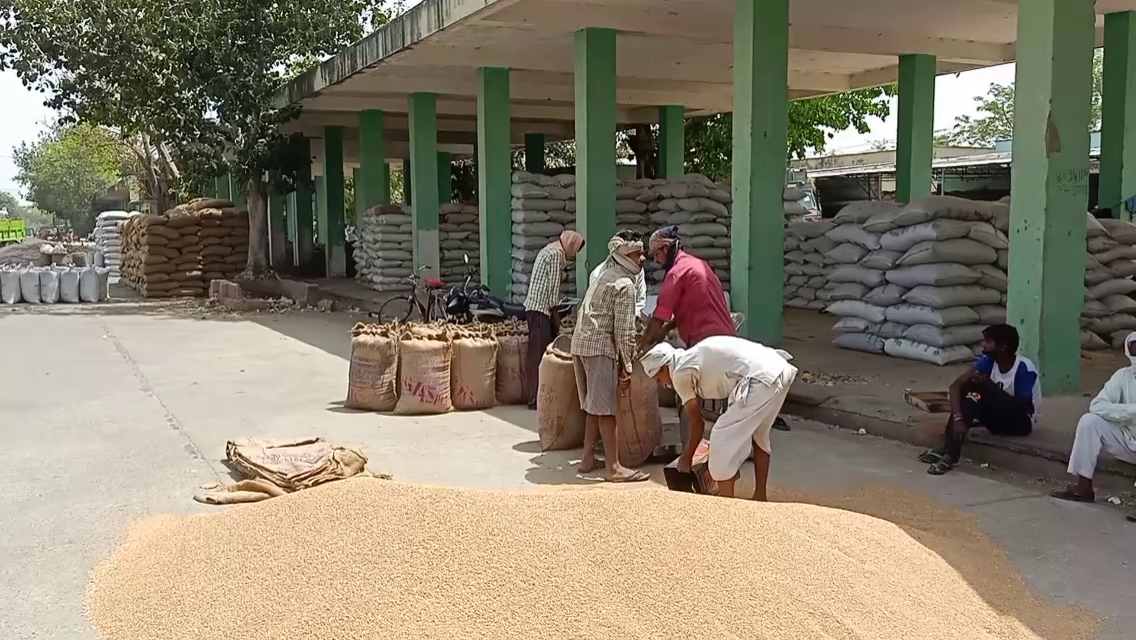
column 603, row 352
column 540, row 304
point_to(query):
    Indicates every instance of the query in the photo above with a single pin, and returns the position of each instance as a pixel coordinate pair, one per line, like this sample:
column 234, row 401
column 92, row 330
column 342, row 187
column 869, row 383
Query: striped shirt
column 605, row 323
column 544, row 283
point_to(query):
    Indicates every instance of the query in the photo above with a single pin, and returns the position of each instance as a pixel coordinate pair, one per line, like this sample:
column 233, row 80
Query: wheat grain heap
column 365, row 558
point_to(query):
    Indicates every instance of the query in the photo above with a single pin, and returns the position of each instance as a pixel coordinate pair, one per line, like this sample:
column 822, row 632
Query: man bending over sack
column 752, row 377
column 1001, row 392
column 603, row 351
column 1110, row 425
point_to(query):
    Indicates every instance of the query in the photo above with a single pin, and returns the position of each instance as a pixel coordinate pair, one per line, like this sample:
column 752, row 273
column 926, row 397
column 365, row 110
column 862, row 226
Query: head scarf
column 1128, row 348
column 621, row 250
column 659, row 356
column 571, row 242
column 666, row 238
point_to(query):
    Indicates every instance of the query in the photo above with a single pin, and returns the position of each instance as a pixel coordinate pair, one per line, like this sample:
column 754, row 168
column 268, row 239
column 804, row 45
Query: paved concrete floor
column 115, row 412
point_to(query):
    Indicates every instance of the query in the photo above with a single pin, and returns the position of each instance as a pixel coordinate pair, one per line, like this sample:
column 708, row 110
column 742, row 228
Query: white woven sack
column 1003, row 262
column 1107, row 288
column 989, row 314
column 807, row 293
column 956, row 296
column 857, row 309
column 522, row 190
column 943, row 207
column 885, row 296
column 49, row 286
column 848, row 291
column 1117, row 339
column 935, row 275
column 958, row 251
column 10, row 286
column 985, row 233
column 703, row 229
column 864, row 342
column 1092, row 342
column 883, row 221
column 910, row 314
column 810, row 230
column 544, row 229
column 854, row 234
column 1122, row 268
column 1115, row 322
column 856, row 273
column 992, row 277
column 854, row 325
column 945, row 337
column 1096, row 309
column 881, row 259
column 819, row 244
column 528, row 216
column 1123, row 252
column 69, row 286
column 1119, row 303
column 1122, row 231
column 863, row 210
column 846, row 253
column 891, row 330
column 29, row 285
column 797, row 302
column 529, row 242
column 904, row 238
column 1101, row 244
column 537, row 204
column 909, row 350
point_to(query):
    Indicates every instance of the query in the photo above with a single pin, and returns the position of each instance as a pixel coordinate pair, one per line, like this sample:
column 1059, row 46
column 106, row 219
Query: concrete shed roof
column 668, row 52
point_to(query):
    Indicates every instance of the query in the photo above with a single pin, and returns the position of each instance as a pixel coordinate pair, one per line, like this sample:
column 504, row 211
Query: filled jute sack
column 637, row 418
column 372, row 380
column 512, row 345
column 473, row 376
column 558, row 412
column 425, row 357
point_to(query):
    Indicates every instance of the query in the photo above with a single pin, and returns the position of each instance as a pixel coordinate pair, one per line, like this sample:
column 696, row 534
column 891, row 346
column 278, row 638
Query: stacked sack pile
column 807, row 264
column 108, row 240
column 49, row 285
column 384, row 251
column 701, row 209
column 543, row 207
column 433, row 368
column 1109, row 312
column 223, row 238
column 459, row 236
column 919, row 282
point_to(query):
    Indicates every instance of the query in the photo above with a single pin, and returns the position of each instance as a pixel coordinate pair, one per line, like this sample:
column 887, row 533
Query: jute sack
column 372, row 379
column 424, row 373
column 637, row 418
column 512, row 344
column 473, row 376
column 558, row 412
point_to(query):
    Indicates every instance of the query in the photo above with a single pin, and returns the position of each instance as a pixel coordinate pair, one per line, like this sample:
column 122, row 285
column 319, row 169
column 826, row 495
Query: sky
column 24, row 116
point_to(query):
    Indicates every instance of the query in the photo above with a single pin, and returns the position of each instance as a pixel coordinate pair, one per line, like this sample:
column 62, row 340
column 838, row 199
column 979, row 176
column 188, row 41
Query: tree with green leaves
column 67, row 168
column 197, row 78
column 812, row 122
column 995, row 118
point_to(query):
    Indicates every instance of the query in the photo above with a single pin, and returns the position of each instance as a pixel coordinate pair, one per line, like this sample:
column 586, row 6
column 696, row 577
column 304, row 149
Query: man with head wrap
column 752, row 377
column 1110, row 425
column 640, row 278
column 540, row 303
column 603, row 352
column 691, row 297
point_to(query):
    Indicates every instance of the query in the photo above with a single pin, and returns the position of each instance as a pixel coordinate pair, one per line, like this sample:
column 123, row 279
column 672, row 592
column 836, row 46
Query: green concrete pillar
column 494, row 166
column 915, row 144
column 359, row 209
column 372, row 188
column 423, row 181
column 445, row 177
column 1118, row 136
column 1050, row 185
column 300, row 217
column 224, row 187
column 672, row 144
column 335, row 254
column 321, row 209
column 595, row 147
column 761, row 112
column 277, row 247
column 534, row 152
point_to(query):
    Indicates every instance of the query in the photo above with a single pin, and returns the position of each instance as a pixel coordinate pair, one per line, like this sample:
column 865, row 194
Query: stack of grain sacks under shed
column 701, row 209
column 542, row 208
column 384, row 254
column 928, row 280
column 1109, row 312
column 806, row 265
column 222, row 239
column 459, row 236
column 108, row 240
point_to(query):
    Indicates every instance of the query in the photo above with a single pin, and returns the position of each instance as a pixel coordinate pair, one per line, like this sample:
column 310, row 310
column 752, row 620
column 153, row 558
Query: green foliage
column 812, row 122
column 557, row 155
column 995, row 118
column 67, row 168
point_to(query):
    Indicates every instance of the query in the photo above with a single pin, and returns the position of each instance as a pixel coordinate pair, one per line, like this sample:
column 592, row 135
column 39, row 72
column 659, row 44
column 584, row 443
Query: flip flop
column 931, row 456
column 1073, row 496
column 780, row 424
column 1131, row 517
column 638, row 476
column 940, row 467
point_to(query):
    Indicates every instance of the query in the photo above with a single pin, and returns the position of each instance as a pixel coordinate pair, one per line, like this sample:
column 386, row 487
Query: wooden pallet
column 929, row 401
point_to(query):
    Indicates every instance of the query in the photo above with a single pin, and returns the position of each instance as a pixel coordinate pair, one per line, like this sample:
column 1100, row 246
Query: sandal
column 940, row 466
column 638, row 476
column 931, row 456
column 1068, row 493
column 1131, row 517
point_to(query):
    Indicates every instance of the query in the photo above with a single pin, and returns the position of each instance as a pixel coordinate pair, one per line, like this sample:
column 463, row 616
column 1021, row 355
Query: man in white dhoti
column 1110, row 426
column 752, row 377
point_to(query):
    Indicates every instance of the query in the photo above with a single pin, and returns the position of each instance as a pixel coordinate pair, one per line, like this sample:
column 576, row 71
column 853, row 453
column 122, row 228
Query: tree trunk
column 258, row 266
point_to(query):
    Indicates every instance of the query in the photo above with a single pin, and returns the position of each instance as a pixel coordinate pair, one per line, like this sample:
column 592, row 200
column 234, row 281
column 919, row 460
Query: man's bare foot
column 588, row 465
column 623, row 474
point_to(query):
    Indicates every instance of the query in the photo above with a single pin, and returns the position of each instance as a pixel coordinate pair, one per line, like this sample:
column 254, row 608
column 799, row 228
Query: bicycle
column 433, row 309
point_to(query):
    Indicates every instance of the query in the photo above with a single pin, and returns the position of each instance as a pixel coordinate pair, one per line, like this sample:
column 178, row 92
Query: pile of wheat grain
column 365, row 558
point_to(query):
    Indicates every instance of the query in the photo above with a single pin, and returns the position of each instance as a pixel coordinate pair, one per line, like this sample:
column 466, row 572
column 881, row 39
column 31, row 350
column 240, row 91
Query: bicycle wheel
column 397, row 309
column 436, row 308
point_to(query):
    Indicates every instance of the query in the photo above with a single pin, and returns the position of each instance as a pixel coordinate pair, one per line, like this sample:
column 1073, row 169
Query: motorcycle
column 466, row 305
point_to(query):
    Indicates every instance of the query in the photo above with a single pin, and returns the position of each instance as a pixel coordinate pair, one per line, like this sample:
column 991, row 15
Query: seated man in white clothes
column 1110, row 425
column 754, row 378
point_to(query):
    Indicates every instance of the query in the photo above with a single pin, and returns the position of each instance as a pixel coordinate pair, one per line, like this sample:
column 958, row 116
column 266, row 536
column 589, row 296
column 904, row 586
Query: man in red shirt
column 691, row 297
